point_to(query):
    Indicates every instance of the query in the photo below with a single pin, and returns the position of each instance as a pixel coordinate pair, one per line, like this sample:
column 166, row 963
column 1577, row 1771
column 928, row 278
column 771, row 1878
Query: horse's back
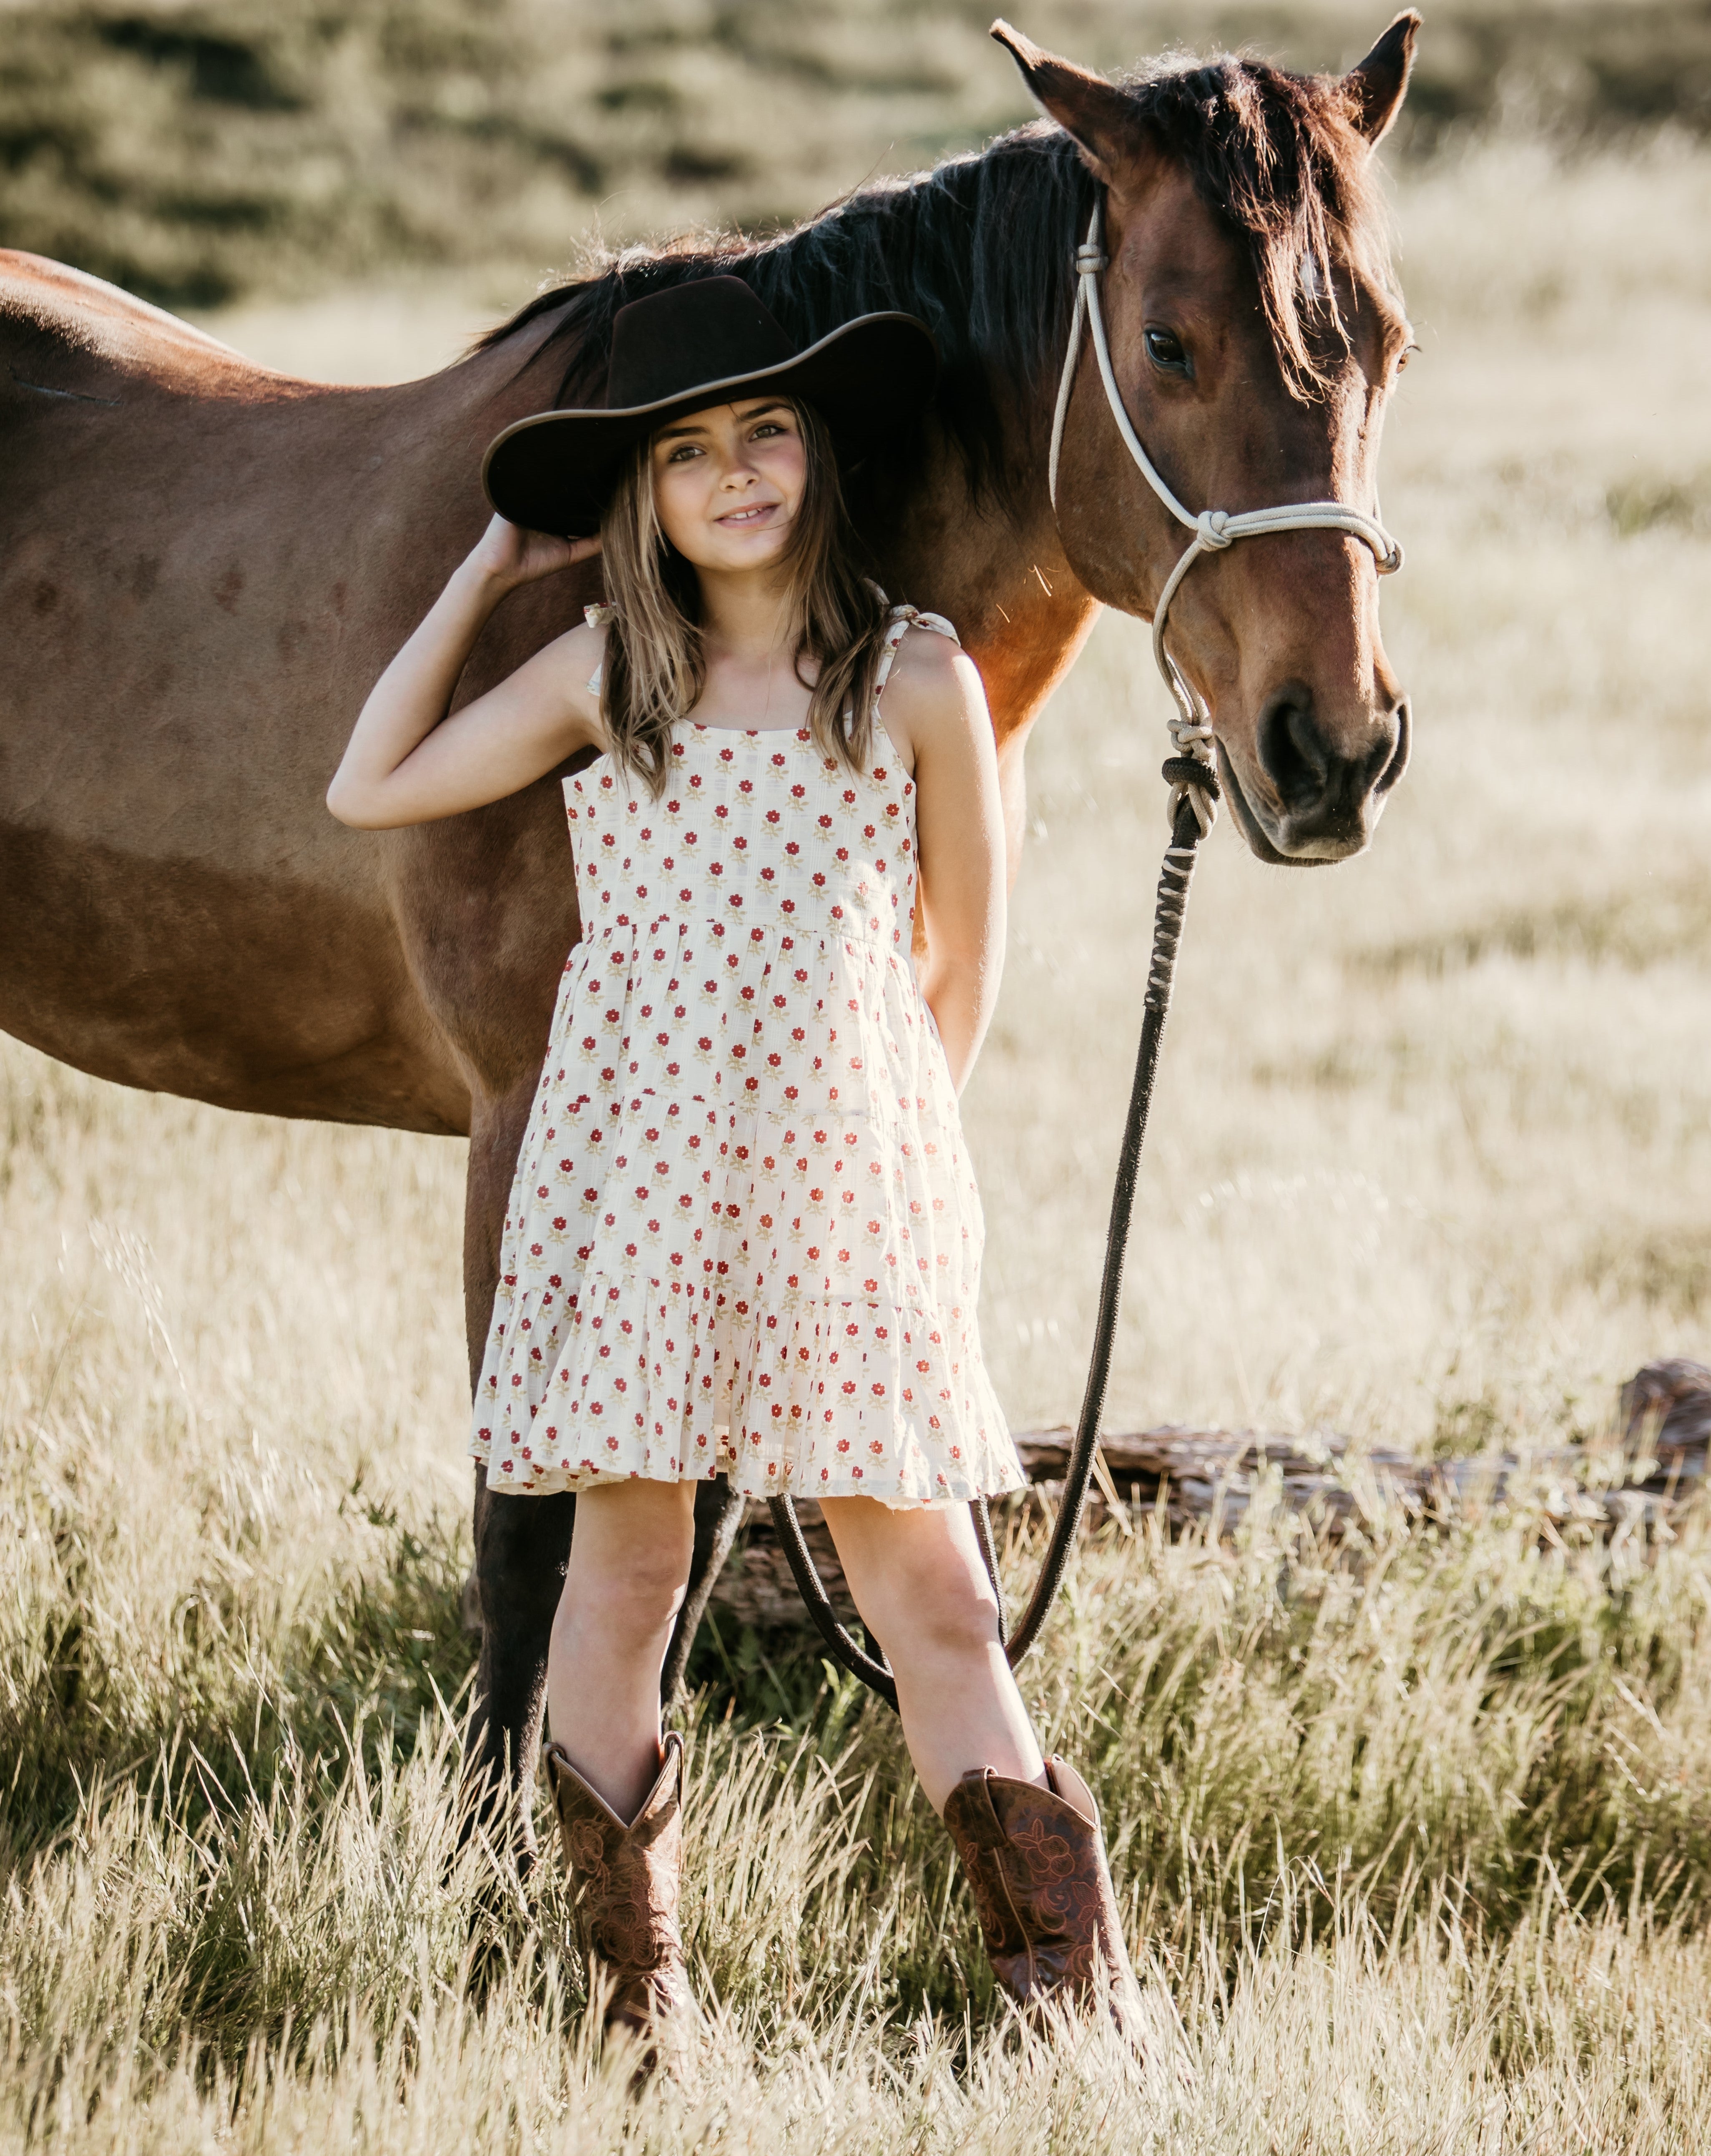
column 94, row 339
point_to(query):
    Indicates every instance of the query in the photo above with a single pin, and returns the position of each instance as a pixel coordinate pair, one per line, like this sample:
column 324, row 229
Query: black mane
column 981, row 247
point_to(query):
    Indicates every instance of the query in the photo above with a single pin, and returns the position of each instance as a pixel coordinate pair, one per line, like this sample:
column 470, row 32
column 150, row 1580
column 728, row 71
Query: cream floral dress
column 744, row 1237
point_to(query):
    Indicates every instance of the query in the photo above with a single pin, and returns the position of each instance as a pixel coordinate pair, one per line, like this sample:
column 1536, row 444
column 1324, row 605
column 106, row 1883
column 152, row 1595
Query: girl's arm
column 935, row 709
column 406, row 762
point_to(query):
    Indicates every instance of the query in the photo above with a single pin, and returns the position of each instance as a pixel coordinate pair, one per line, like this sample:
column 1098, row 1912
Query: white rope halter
column 1214, row 529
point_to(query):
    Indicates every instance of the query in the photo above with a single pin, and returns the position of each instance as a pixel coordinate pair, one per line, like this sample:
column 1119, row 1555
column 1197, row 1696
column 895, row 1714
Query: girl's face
column 728, row 482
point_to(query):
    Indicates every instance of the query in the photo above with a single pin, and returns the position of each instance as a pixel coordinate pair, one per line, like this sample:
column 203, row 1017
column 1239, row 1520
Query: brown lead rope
column 1189, row 775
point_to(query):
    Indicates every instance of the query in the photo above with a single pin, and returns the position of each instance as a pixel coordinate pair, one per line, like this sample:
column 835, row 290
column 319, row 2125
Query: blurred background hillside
column 229, row 149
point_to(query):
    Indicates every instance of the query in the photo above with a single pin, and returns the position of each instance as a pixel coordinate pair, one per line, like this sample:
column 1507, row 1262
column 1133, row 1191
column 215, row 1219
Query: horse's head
column 1255, row 335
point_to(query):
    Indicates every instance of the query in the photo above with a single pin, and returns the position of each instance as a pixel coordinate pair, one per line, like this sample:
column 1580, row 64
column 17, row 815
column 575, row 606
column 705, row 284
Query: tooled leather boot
column 1035, row 1860
column 627, row 1879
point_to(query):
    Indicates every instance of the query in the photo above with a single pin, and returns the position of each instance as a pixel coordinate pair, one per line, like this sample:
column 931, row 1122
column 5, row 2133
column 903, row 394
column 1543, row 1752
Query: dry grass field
column 1415, row 1841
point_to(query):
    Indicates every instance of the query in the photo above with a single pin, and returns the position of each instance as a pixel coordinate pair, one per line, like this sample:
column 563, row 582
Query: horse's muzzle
column 1325, row 800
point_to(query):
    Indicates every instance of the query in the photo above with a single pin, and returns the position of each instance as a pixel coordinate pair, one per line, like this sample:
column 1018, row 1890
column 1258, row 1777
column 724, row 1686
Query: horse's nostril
column 1393, row 759
column 1293, row 752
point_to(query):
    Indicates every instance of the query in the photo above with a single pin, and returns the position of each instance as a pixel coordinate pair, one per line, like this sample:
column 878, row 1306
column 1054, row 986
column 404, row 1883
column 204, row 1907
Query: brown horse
column 205, row 566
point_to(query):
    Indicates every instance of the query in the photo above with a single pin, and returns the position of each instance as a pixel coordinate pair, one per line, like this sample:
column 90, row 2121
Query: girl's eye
column 766, row 427
column 683, row 451
column 1164, row 349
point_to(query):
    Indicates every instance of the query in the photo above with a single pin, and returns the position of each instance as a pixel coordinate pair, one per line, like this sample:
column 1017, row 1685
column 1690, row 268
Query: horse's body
column 206, row 565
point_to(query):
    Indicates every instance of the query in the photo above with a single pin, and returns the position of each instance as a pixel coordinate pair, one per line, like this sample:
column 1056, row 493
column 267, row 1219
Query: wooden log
column 1652, row 1470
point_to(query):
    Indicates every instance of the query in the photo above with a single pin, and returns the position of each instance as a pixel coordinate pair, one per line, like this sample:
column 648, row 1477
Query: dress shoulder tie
column 597, row 616
column 901, row 620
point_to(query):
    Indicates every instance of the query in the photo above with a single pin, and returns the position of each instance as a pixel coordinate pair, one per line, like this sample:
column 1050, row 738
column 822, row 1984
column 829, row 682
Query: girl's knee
column 947, row 1612
column 630, row 1557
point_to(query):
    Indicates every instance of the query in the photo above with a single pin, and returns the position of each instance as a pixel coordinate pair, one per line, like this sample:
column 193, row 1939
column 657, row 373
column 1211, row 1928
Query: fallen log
column 1638, row 1484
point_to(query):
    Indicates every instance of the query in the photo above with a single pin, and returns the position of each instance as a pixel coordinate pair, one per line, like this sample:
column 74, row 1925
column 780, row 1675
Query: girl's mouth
column 743, row 519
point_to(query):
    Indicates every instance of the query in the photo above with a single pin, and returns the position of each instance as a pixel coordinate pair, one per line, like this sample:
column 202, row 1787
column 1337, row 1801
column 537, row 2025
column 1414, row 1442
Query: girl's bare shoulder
column 934, row 687
column 580, row 652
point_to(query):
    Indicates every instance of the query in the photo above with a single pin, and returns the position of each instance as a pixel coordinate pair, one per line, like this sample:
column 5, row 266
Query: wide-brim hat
column 709, row 341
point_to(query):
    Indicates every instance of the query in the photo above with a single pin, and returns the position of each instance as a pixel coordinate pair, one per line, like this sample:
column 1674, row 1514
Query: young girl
column 744, row 1238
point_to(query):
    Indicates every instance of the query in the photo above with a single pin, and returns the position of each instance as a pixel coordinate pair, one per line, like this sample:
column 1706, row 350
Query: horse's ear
column 1378, row 84
column 1091, row 110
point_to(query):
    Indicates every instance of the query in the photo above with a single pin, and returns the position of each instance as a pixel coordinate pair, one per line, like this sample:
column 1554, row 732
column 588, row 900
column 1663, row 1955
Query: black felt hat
column 710, row 342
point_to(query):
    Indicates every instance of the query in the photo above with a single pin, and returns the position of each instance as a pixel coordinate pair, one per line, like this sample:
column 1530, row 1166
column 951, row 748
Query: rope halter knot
column 1214, row 529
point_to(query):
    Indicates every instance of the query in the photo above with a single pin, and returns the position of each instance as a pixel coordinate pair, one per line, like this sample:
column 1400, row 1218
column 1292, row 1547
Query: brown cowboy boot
column 1036, row 1863
column 627, row 1880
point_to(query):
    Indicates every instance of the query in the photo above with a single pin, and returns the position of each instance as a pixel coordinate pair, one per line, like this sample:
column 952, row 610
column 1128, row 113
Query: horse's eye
column 1164, row 349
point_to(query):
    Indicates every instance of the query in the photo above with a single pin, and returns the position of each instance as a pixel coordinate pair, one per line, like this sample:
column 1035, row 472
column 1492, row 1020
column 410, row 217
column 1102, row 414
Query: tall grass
column 1413, row 1841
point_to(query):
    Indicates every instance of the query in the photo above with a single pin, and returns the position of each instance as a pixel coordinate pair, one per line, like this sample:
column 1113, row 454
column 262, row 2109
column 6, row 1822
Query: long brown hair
column 656, row 668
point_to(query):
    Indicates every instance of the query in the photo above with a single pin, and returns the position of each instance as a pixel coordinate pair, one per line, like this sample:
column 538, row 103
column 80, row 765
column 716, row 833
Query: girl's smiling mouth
column 751, row 514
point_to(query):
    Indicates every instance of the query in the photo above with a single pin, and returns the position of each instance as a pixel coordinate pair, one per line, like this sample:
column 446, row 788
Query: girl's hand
column 509, row 555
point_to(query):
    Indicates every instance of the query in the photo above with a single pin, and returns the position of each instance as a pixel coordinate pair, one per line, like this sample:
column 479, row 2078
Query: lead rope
column 1192, row 777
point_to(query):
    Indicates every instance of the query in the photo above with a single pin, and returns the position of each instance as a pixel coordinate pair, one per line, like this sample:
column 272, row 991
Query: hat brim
column 555, row 471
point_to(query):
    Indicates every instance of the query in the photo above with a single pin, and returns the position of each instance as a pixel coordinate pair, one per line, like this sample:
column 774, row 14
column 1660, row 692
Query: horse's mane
column 980, row 247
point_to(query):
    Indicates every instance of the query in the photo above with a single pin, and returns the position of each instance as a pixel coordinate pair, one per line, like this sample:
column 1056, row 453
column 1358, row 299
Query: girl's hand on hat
column 509, row 555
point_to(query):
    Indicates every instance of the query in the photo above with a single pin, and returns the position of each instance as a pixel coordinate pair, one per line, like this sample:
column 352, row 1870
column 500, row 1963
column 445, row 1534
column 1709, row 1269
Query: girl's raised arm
column 406, row 762
column 935, row 709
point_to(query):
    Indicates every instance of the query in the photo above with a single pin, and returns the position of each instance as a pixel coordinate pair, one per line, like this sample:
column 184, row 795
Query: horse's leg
column 522, row 1543
column 718, row 1514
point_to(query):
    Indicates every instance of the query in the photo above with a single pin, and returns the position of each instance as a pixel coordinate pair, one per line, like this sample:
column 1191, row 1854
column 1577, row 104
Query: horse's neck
column 997, row 569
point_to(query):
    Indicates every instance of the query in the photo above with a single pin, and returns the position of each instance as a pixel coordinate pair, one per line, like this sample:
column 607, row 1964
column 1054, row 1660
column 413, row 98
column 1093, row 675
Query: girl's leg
column 920, row 1583
column 629, row 1558
column 1028, row 1836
